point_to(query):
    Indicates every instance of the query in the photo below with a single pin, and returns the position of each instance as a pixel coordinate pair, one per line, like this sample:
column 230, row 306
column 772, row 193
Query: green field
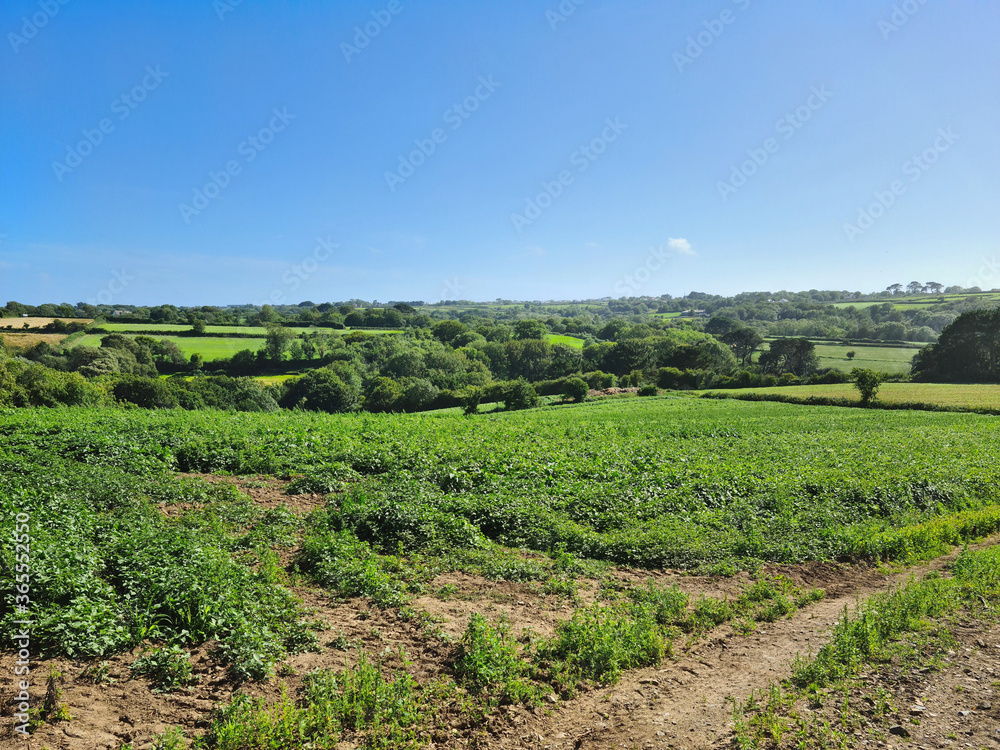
column 209, row 347
column 555, row 338
column 383, row 537
column 922, row 301
column 974, row 396
column 887, row 359
column 168, row 328
column 892, row 360
column 274, row 379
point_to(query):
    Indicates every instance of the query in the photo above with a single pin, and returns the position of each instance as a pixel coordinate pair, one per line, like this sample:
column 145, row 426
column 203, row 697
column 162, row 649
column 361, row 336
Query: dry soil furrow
column 683, row 703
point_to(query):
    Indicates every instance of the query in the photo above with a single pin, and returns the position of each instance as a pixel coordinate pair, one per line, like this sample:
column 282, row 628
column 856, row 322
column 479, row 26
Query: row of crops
column 679, row 482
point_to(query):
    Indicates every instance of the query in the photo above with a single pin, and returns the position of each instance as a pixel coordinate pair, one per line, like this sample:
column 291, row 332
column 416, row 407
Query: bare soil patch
column 681, row 703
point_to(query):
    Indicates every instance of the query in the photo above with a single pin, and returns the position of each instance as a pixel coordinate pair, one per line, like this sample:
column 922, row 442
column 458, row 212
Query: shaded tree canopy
column 968, row 350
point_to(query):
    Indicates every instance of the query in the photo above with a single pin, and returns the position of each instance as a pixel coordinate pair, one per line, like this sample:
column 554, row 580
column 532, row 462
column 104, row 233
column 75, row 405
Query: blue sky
column 255, row 151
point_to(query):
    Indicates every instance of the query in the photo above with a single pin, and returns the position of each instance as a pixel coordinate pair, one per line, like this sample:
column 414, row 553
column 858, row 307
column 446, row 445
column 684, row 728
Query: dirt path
column 683, row 703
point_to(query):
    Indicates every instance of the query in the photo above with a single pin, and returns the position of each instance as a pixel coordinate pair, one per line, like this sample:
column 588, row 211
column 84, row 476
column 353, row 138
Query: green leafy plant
column 169, row 667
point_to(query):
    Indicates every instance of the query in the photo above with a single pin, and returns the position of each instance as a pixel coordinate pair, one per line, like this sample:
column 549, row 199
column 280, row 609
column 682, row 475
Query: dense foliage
column 968, row 351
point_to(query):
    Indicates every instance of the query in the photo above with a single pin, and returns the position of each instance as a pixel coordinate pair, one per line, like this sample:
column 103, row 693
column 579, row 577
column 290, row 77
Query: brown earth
column 682, row 703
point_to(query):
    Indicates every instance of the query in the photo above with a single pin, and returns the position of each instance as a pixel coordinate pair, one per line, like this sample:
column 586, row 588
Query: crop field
column 967, row 396
column 34, row 322
column 555, row 338
column 24, row 340
column 272, row 379
column 300, row 580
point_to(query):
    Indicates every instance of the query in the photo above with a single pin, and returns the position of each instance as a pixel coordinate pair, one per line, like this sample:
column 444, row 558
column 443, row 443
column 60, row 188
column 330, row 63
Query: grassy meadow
column 209, row 347
column 966, row 396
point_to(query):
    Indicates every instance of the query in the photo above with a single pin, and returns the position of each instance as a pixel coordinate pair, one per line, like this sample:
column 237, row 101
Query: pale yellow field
column 24, row 340
column 17, row 323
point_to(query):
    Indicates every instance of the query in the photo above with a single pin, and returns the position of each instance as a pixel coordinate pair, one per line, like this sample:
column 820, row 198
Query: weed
column 169, row 667
column 488, row 660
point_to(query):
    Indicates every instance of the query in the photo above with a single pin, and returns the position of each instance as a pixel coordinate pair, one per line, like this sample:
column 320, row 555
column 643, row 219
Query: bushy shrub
column 519, row 394
column 575, row 389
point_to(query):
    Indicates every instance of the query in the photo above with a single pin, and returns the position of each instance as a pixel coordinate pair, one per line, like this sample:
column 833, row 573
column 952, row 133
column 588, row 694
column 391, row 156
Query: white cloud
column 680, row 246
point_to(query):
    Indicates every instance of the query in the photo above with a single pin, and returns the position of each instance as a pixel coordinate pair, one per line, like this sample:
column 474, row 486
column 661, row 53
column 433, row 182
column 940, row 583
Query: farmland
column 35, row 322
column 966, row 396
column 554, row 338
column 222, row 555
column 209, row 347
column 924, row 301
column 892, row 360
column 168, row 328
column 24, row 340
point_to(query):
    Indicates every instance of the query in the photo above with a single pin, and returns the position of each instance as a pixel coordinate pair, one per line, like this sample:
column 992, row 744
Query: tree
column 743, row 342
column 198, row 327
column 719, row 326
column 529, row 329
column 850, row 354
column 914, row 287
column 794, row 355
column 446, row 330
column 968, row 350
column 320, row 390
column 244, row 362
column 630, row 354
column 575, row 389
column 933, row 287
column 276, row 342
column 867, row 383
column 530, row 358
column 471, row 401
column 419, row 393
column 894, row 288
column 519, row 394
column 384, row 395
